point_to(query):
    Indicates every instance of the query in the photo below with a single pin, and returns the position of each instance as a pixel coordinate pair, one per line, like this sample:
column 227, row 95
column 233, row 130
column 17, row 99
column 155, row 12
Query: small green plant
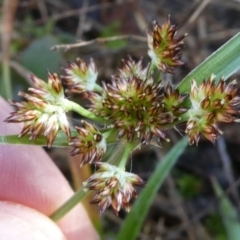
column 189, row 185
column 215, row 226
column 134, row 108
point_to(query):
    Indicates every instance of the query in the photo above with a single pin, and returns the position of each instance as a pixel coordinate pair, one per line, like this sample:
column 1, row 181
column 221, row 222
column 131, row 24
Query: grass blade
column 135, row 218
column 60, row 141
column 223, row 63
column 228, row 212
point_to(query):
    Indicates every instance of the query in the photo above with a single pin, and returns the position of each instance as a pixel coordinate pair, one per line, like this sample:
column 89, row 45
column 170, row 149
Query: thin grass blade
column 222, row 63
column 135, row 218
column 229, row 213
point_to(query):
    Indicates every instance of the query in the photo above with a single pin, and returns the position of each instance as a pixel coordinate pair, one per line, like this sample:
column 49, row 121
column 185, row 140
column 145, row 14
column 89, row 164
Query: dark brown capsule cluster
column 172, row 100
column 137, row 107
column 165, row 47
column 212, row 103
column 114, row 187
column 42, row 112
column 89, row 143
column 131, row 68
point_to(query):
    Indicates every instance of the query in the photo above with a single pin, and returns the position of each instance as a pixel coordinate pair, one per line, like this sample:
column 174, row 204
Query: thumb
column 21, row 222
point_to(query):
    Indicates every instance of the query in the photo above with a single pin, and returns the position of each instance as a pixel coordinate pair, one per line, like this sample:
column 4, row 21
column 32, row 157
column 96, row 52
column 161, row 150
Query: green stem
column 157, row 76
column 69, row 205
column 151, row 69
column 97, row 88
column 6, row 86
column 72, row 106
column 60, row 141
column 133, row 222
column 129, row 148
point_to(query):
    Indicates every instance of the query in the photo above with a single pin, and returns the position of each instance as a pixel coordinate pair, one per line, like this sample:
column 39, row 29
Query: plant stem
column 6, row 85
column 133, row 222
column 60, row 141
column 8, row 12
column 97, row 88
column 158, row 76
column 72, row 106
column 128, row 150
column 151, row 69
column 69, row 205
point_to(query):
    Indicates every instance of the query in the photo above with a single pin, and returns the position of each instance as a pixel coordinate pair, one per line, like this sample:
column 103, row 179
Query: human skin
column 31, row 188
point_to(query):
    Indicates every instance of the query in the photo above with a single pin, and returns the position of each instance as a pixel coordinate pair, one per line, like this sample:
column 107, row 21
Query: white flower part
column 43, row 118
column 91, row 78
column 153, row 56
column 102, row 145
column 52, row 125
column 196, row 97
column 62, row 120
column 151, row 53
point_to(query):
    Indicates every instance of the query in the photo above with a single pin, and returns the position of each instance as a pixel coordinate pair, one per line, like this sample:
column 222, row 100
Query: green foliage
column 215, row 226
column 112, row 30
column 228, row 212
column 189, row 185
column 60, row 141
column 223, row 63
column 31, row 30
column 38, row 59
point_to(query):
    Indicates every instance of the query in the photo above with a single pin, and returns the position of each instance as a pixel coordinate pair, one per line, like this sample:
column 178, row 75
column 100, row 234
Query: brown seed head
column 133, row 106
column 211, row 103
column 113, row 186
column 165, row 47
column 90, row 144
column 172, row 100
column 42, row 112
column 130, row 69
column 80, row 77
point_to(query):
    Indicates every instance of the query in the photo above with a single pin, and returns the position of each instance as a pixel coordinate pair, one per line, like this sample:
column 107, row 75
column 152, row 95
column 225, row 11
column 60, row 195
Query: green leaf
column 135, row 218
column 228, row 212
column 39, row 59
column 222, row 63
column 60, row 141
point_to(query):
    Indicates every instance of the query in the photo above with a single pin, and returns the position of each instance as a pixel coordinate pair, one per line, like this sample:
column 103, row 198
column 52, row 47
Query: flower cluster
column 80, row 77
column 89, row 143
column 164, row 47
column 43, row 112
column 212, row 103
column 130, row 69
column 114, row 187
column 135, row 107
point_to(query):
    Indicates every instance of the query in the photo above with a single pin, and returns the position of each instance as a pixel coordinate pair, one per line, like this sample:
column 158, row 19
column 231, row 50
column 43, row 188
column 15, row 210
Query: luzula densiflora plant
column 134, row 108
